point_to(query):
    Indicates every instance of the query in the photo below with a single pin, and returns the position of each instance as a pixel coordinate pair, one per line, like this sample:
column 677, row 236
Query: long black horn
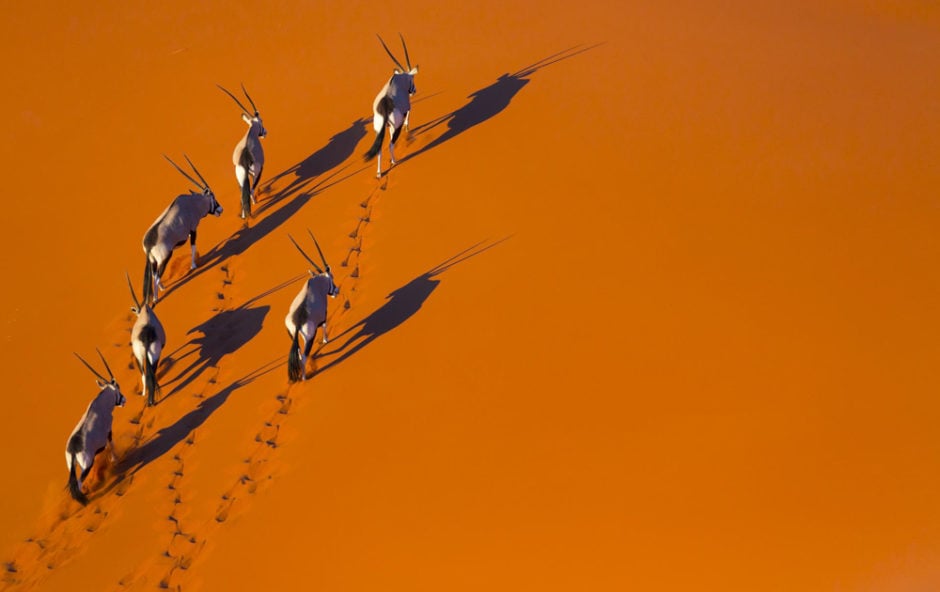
column 389, row 52
column 234, row 98
column 133, row 294
column 184, row 173
column 405, row 47
column 322, row 258
column 106, row 367
column 93, row 371
column 249, row 99
column 309, row 260
column 204, row 182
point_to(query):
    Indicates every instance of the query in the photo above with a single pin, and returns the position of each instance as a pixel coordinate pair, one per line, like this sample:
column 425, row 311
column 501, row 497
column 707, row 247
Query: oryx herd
column 179, row 221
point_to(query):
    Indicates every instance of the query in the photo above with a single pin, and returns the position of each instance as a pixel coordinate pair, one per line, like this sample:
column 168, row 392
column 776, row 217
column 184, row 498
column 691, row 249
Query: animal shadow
column 223, row 334
column 487, row 102
column 282, row 205
column 402, row 304
column 170, row 436
column 340, row 147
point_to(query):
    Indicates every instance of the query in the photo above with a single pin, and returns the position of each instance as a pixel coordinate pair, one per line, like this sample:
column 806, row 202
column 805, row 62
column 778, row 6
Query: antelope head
column 250, row 116
column 326, row 270
column 214, row 208
column 399, row 69
column 105, row 383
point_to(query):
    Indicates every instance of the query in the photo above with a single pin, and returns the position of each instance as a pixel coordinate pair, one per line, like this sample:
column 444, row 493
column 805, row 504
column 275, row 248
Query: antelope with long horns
column 147, row 341
column 93, row 432
column 170, row 230
column 308, row 312
column 248, row 157
column 392, row 106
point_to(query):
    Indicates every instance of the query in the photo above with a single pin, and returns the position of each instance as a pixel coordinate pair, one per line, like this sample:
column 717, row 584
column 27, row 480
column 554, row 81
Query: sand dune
column 648, row 302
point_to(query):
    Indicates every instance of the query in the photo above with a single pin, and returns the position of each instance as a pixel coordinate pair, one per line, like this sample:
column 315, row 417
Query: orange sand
column 650, row 303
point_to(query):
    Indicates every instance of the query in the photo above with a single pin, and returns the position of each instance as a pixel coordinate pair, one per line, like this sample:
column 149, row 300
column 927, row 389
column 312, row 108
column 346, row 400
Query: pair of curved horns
column 133, row 294
column 389, row 52
column 239, row 103
column 95, row 372
column 203, row 187
column 309, row 260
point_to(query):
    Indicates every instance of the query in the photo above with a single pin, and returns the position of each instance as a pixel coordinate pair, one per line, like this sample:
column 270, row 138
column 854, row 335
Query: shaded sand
column 649, row 302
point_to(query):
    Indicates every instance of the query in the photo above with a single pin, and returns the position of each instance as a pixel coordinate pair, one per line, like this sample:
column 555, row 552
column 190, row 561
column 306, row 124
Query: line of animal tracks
column 155, row 452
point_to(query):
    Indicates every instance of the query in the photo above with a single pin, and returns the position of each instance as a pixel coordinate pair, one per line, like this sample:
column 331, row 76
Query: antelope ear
column 246, row 118
column 135, row 310
column 414, row 71
column 397, row 71
column 101, row 384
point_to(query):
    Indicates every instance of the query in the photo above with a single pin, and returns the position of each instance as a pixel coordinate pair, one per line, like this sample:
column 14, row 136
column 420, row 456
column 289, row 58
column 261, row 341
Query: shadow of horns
column 401, row 304
column 489, row 101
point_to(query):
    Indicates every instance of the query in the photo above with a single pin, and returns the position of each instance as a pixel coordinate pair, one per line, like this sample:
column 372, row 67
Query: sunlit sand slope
column 649, row 301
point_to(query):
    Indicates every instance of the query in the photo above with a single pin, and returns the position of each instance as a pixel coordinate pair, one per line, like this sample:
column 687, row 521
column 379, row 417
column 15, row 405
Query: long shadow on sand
column 170, row 436
column 401, row 305
column 487, row 102
column 223, row 334
column 275, row 210
column 338, row 149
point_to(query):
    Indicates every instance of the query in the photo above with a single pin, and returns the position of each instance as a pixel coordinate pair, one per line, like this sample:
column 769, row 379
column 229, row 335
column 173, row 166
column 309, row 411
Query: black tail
column 245, row 161
column 74, row 488
column 295, row 369
column 379, row 138
column 150, row 381
column 148, row 282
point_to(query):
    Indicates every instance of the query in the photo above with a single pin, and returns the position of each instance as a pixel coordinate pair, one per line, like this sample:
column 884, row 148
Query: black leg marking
column 257, row 179
column 192, row 237
column 81, row 478
column 162, row 267
column 308, row 344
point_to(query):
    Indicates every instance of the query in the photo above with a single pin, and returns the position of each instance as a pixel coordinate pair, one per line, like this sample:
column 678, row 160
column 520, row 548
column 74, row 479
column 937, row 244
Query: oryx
column 93, row 432
column 170, row 230
column 248, row 157
column 147, row 341
column 392, row 106
column 308, row 312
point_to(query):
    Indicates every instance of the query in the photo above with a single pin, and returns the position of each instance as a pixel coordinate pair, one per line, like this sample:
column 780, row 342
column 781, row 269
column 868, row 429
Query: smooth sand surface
column 649, row 302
